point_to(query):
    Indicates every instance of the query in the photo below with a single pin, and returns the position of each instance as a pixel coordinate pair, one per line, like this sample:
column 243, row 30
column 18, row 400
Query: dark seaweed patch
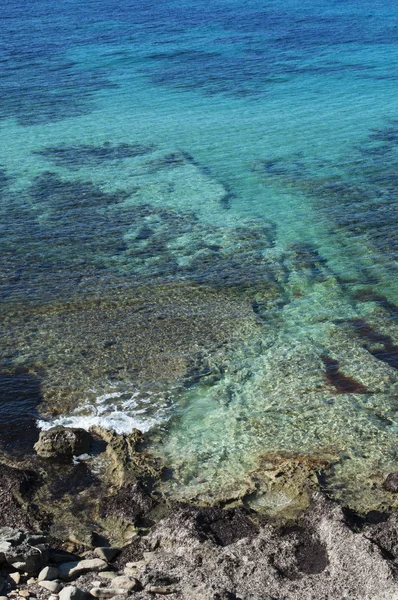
column 379, row 345
column 74, row 157
column 369, row 295
column 342, row 383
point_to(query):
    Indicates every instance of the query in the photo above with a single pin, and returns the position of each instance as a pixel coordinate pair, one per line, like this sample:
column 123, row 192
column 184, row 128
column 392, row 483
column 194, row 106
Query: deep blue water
column 198, row 230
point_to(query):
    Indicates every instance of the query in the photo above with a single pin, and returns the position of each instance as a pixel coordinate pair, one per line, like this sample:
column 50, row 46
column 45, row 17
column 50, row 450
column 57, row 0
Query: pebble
column 73, row 570
column 53, row 597
column 3, row 597
column 107, row 554
column 24, row 593
column 51, row 586
column 48, row 574
column 107, row 592
column 16, row 577
column 31, row 581
column 161, row 590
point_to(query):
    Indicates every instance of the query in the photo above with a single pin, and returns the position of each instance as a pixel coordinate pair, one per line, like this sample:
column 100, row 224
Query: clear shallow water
column 198, row 214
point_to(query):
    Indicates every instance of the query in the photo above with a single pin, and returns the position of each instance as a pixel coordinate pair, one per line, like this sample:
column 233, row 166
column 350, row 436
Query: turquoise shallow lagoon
column 198, row 233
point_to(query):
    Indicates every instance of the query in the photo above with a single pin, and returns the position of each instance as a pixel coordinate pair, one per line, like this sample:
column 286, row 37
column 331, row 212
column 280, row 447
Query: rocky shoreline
column 75, row 532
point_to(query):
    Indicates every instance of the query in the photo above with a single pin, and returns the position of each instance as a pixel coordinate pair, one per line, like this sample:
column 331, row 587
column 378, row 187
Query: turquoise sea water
column 198, row 231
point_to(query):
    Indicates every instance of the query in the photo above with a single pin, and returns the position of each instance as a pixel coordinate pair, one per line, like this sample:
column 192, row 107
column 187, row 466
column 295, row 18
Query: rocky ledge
column 182, row 551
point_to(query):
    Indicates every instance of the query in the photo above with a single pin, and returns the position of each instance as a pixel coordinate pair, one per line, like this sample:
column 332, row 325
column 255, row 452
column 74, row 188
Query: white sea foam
column 121, row 411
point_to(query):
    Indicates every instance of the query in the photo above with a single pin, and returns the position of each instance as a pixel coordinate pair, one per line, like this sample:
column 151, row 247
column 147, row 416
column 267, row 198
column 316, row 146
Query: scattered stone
column 126, row 583
column 106, row 592
column 73, row 570
column 161, row 590
column 107, row 554
column 3, row 597
column 62, row 443
column 24, row 593
column 53, row 597
column 48, row 574
column 51, row 586
column 16, row 577
column 70, row 592
column 31, row 581
column 107, row 575
column 391, row 483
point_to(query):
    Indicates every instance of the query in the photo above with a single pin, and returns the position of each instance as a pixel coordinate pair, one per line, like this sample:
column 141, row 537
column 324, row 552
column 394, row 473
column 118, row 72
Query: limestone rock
column 71, row 592
column 51, row 586
column 48, row 574
column 62, row 443
column 73, row 570
column 107, row 554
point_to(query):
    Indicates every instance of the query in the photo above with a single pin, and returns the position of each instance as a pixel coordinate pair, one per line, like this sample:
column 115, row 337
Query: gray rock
column 51, row 586
column 73, row 570
column 106, row 553
column 129, row 584
column 391, row 482
column 48, row 574
column 62, row 443
column 98, row 592
column 26, row 552
column 70, row 592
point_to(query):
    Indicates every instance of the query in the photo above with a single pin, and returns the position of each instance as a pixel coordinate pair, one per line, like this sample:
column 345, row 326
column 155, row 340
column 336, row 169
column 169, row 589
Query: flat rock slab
column 72, row 570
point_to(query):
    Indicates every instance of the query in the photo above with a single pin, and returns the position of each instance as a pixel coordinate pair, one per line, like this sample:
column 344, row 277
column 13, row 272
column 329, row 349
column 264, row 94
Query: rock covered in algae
column 62, row 443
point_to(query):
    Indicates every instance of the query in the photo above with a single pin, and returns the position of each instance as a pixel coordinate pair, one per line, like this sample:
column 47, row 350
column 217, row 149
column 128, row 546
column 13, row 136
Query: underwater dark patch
column 342, row 383
column 74, row 157
column 379, row 345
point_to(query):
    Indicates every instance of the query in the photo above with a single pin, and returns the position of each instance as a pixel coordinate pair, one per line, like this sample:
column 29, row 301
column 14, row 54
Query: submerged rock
column 61, row 443
column 391, row 483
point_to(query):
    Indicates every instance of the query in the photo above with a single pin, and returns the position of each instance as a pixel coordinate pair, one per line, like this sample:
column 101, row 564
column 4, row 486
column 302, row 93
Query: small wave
column 120, row 411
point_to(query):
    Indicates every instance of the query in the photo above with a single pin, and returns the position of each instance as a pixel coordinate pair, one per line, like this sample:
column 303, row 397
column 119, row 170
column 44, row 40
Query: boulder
column 62, row 443
column 26, row 552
